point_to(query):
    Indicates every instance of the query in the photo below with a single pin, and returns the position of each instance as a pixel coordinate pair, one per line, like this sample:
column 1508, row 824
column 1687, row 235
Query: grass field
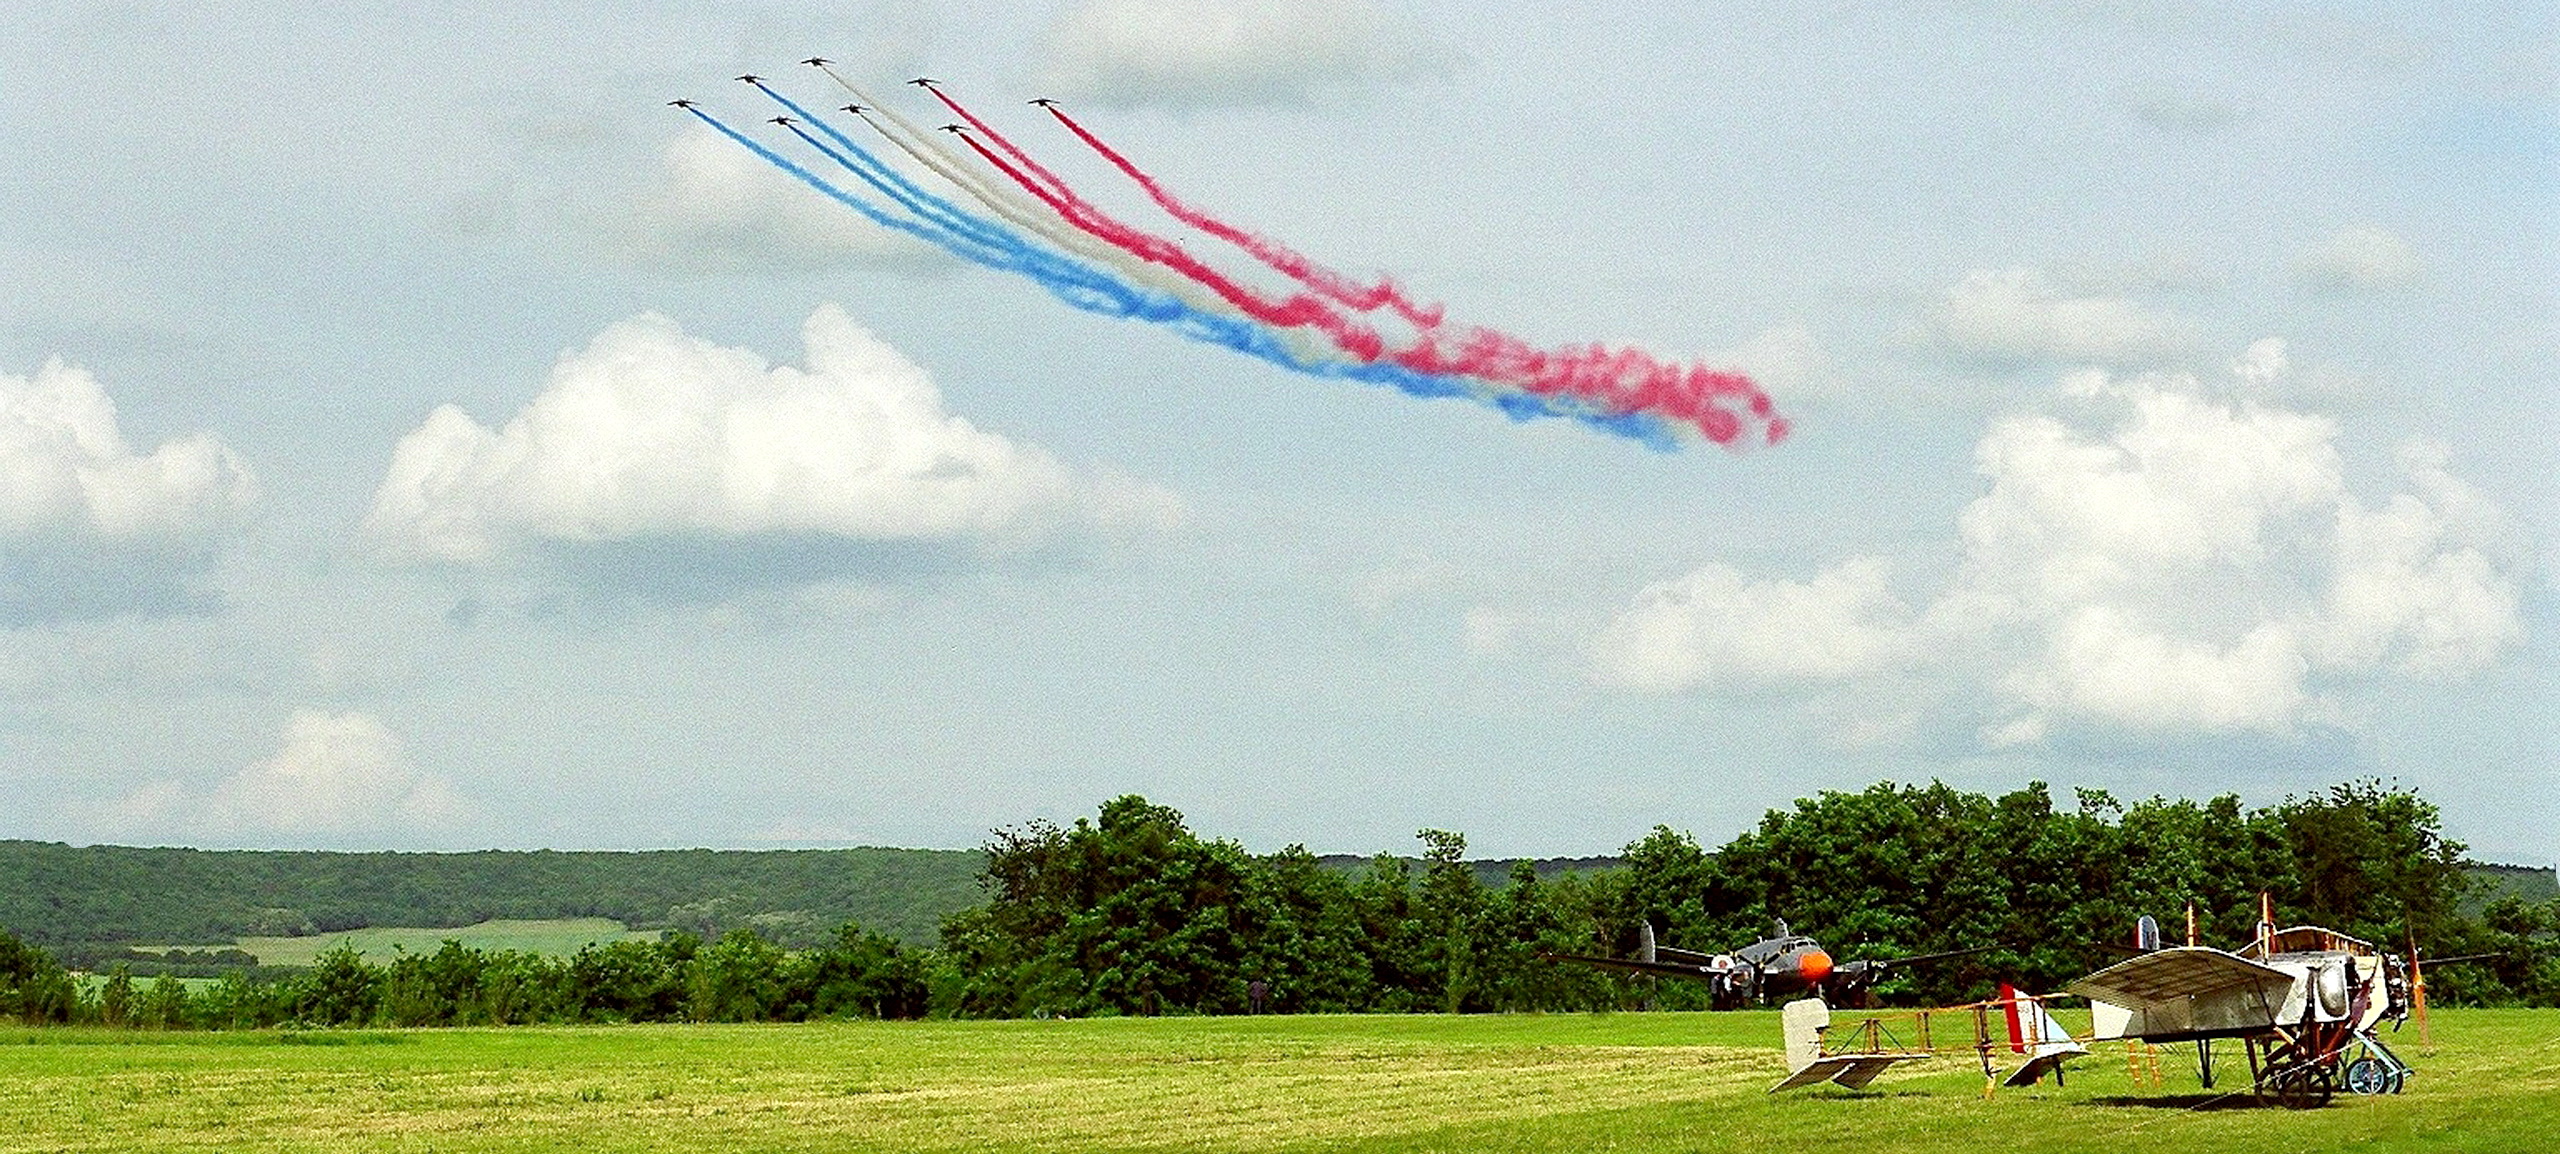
column 1657, row 1083
column 553, row 936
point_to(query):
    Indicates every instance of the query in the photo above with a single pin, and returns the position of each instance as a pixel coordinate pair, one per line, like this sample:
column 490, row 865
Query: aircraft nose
column 1814, row 966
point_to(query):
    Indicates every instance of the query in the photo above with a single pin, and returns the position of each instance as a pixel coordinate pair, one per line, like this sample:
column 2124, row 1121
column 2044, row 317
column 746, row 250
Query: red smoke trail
column 1624, row 380
column 1272, row 253
column 1606, row 380
column 1299, row 310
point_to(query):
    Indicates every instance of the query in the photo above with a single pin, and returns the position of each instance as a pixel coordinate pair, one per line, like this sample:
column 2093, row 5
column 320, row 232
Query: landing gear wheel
column 2367, row 1076
column 2300, row 1088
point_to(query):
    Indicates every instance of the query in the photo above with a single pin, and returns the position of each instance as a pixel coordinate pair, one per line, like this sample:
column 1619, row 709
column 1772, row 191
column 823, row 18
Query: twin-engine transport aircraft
column 1784, row 964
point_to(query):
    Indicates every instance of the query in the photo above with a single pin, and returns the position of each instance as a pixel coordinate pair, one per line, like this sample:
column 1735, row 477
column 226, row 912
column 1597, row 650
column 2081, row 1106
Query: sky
column 414, row 434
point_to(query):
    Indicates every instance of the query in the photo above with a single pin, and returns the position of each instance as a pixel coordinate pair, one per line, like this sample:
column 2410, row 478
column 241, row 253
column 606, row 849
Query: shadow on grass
column 2244, row 1100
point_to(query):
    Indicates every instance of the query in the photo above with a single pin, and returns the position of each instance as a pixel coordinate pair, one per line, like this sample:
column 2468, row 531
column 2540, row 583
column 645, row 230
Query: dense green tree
column 34, row 988
column 2373, row 861
column 236, row 1002
column 340, row 990
column 115, row 998
column 740, row 978
column 165, row 1005
column 1302, row 936
column 866, row 975
column 1448, row 907
column 629, row 981
column 1127, row 913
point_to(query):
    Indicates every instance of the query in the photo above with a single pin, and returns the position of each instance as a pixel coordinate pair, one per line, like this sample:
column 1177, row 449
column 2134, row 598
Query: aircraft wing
column 2036, row 1068
column 1851, row 1070
column 1694, row 958
column 1636, row 966
column 2175, row 974
column 1940, row 956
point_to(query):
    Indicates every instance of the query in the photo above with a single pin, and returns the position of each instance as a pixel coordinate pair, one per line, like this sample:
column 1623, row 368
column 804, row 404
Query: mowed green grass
column 1656, row 1083
column 561, row 936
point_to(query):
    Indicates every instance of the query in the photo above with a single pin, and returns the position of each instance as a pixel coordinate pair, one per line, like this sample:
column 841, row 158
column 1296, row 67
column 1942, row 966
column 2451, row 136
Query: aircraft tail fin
column 1804, row 1020
column 2034, row 1032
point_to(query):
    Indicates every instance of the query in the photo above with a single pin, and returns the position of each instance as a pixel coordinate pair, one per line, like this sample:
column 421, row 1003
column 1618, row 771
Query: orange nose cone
column 1814, row 966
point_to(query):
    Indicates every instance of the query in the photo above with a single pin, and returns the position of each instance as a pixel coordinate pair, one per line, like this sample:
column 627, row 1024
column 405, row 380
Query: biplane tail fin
column 2033, row 1032
column 1804, row 1020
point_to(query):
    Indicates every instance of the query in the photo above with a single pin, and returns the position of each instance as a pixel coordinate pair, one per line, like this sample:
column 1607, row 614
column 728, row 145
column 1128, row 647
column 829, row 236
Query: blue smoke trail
column 1087, row 288
column 895, row 185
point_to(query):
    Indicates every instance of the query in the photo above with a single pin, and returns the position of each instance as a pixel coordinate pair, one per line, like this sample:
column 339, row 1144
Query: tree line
column 1132, row 912
column 740, row 977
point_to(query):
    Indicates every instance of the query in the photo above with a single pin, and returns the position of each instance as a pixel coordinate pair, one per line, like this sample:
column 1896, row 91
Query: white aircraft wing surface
column 2177, row 973
column 1850, row 1070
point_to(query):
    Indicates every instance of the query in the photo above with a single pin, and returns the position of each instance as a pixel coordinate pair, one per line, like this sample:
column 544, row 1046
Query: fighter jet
column 679, row 104
column 752, row 78
column 855, row 109
column 784, row 121
column 924, row 82
column 1045, row 102
column 817, row 62
column 955, row 128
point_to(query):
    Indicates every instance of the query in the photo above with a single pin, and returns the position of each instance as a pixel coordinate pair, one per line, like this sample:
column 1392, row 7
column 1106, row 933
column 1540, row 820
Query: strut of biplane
column 1874, row 1046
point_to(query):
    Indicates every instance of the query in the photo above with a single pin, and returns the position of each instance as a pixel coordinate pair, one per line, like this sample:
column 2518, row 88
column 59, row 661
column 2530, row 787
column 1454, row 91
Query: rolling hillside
column 55, row 894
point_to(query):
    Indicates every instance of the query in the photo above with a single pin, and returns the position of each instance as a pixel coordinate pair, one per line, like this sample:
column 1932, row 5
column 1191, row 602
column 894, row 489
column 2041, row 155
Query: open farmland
column 560, row 936
column 1650, row 1082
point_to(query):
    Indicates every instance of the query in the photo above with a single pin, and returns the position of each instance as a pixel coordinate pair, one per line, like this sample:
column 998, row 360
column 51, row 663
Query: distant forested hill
column 2531, row 883
column 55, row 894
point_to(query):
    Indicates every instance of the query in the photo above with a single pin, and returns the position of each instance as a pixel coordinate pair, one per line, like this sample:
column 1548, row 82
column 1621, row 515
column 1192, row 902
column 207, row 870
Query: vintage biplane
column 1874, row 1045
column 1781, row 964
column 2303, row 1001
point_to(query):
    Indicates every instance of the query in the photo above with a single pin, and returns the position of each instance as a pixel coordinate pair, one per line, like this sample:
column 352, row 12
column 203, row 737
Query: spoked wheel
column 2292, row 1087
column 2301, row 1085
column 2368, row 1076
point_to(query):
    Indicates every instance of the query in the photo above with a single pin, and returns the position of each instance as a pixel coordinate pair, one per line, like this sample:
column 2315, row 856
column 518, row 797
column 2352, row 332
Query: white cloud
column 1717, row 626
column 334, row 773
column 714, row 207
column 64, row 466
column 648, row 435
column 1224, row 52
column 2179, row 565
column 2019, row 316
column 2361, row 257
column 2415, row 584
column 88, row 525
